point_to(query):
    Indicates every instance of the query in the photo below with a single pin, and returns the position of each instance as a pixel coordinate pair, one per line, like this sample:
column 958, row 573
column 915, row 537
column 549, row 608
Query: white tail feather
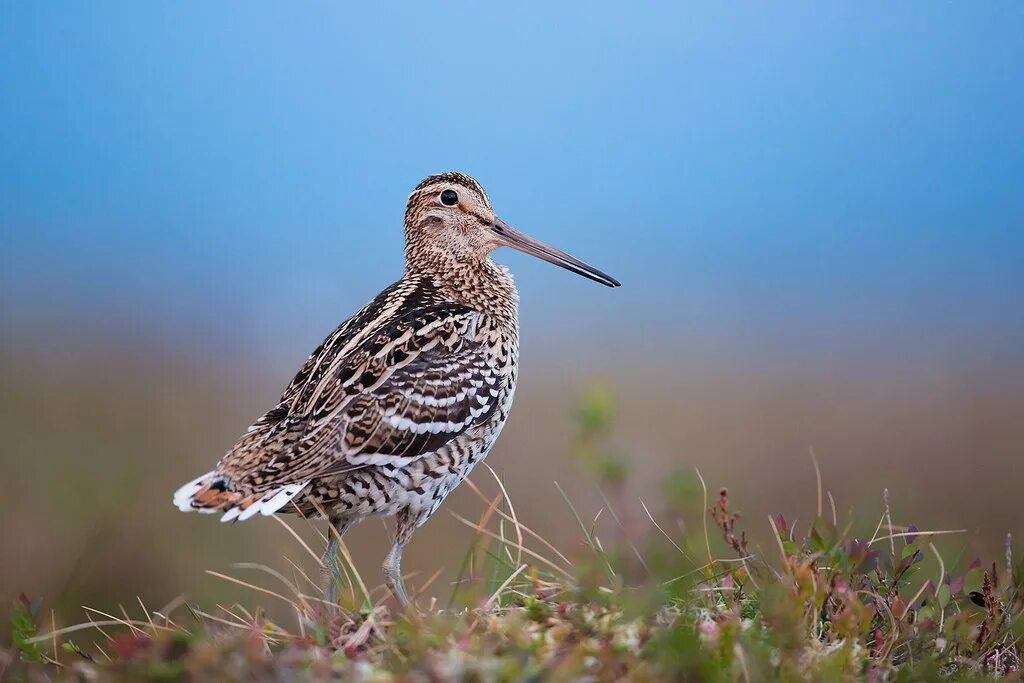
column 183, row 496
column 270, row 502
column 231, row 514
column 282, row 498
column 249, row 511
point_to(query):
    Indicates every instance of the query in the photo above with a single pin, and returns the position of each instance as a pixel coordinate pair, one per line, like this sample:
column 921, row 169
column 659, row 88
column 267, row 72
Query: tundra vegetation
column 673, row 590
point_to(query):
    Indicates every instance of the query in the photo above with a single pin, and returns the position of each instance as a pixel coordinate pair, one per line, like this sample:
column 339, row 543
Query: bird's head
column 449, row 219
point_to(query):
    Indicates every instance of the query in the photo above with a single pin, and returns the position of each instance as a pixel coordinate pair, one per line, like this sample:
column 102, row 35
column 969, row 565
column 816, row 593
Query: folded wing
column 414, row 384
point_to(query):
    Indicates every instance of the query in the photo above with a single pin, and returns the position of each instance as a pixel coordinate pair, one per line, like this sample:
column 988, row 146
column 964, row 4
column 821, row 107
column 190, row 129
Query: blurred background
column 817, row 214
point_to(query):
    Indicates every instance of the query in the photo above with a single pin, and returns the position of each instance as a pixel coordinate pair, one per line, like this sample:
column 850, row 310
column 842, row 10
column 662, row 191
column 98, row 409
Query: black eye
column 449, row 198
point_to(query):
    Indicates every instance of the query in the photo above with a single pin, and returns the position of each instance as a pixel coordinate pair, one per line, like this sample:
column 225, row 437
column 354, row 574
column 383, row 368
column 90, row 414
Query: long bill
column 511, row 237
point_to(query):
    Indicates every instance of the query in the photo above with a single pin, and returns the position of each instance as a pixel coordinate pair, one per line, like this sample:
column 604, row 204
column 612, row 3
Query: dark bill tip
column 511, row 237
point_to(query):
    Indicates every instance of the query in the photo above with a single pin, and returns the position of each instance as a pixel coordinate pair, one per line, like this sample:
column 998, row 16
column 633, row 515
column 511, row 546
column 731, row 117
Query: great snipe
column 397, row 405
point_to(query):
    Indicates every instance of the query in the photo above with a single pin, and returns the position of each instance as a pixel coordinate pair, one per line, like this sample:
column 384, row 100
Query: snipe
column 395, row 408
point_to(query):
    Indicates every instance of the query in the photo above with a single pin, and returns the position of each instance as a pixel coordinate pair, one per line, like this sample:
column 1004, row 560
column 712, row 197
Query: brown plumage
column 398, row 404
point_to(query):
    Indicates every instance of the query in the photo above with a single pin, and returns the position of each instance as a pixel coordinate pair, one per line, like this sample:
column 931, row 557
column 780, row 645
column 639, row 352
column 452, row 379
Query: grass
column 650, row 597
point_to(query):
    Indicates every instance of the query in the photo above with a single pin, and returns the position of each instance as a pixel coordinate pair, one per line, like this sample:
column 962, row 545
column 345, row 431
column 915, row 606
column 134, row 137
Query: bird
column 400, row 402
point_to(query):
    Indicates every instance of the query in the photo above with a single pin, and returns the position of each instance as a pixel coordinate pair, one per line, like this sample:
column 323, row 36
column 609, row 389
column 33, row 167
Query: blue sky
column 789, row 175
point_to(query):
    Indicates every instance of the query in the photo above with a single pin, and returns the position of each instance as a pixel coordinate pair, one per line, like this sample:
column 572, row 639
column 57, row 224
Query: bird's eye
column 449, row 198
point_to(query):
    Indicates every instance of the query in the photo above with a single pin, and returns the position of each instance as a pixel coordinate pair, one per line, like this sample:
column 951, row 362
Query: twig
column 512, row 511
column 817, row 475
column 888, row 520
column 778, row 540
column 526, row 551
column 663, row 533
column 917, row 533
column 704, row 516
column 491, row 600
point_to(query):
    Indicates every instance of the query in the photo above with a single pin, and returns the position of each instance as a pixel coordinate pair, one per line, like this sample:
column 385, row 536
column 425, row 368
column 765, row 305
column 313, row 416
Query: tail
column 212, row 493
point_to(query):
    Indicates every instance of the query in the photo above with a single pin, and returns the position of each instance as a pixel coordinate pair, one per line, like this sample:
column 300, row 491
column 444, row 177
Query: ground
column 673, row 598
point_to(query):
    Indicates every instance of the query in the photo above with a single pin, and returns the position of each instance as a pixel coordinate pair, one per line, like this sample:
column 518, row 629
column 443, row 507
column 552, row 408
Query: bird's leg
column 332, row 569
column 406, row 524
column 393, row 574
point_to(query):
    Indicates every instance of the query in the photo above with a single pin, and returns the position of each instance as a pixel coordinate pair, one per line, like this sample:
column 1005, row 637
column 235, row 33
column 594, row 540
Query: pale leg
column 393, row 574
column 332, row 569
column 405, row 525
